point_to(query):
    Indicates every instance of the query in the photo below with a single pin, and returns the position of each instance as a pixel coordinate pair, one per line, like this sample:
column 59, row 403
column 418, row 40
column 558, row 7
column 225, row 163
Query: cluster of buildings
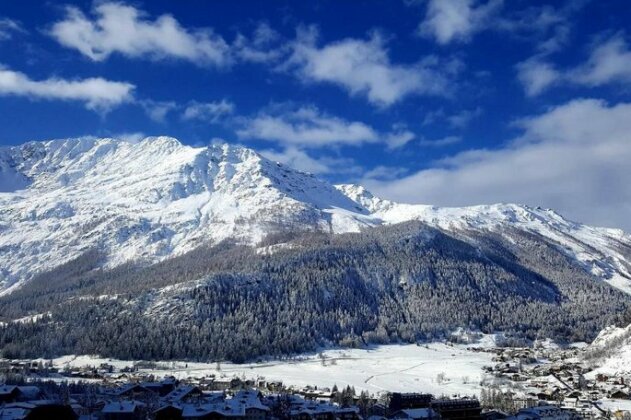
column 169, row 399
column 526, row 384
column 560, row 377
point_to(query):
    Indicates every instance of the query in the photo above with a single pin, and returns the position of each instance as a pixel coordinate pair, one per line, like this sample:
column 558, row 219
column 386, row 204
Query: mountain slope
column 149, row 201
column 606, row 253
column 405, row 282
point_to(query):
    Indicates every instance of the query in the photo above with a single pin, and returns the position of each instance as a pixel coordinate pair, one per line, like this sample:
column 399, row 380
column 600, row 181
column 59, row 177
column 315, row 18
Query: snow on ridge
column 599, row 250
column 150, row 199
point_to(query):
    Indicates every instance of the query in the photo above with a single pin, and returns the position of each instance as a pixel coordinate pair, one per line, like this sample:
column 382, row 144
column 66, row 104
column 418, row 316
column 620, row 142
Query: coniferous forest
column 295, row 292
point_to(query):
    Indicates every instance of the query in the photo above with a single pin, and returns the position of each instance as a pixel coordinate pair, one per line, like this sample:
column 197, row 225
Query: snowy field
column 436, row 368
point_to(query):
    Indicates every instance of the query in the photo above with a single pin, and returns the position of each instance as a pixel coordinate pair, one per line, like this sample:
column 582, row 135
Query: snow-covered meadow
column 435, row 368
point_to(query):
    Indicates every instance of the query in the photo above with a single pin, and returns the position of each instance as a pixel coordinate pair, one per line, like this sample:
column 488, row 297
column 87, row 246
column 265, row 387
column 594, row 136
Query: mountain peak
column 150, row 199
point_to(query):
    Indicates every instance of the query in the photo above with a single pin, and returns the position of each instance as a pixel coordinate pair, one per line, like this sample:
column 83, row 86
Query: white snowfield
column 437, row 368
column 153, row 199
column 613, row 345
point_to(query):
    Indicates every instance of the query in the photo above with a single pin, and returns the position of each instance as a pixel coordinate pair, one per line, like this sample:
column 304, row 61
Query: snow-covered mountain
column 150, row 200
column 610, row 352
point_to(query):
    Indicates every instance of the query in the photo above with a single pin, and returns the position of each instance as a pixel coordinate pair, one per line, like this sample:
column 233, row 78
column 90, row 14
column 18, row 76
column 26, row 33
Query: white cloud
column 264, row 46
column 8, row 27
column 124, row 29
column 463, row 118
column 306, row 127
column 96, row 93
column 385, row 173
column 398, row 139
column 609, row 62
column 363, row 67
column 445, row 141
column 457, row 120
column 157, row 110
column 457, row 20
column 208, row 111
column 536, row 76
column 322, row 165
column 573, row 158
column 449, row 21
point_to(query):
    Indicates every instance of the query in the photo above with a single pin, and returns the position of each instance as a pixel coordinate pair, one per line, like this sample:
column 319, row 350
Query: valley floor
column 435, row 368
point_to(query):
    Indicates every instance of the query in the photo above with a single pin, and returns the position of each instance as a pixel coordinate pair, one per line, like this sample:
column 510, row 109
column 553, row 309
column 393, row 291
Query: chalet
column 186, row 393
column 398, row 401
column 14, row 393
column 37, row 410
column 8, row 393
column 546, row 412
column 494, row 415
column 227, row 409
column 168, row 412
column 457, row 409
column 618, row 394
column 161, row 388
column 123, row 410
column 224, row 383
column 550, row 394
column 416, row 414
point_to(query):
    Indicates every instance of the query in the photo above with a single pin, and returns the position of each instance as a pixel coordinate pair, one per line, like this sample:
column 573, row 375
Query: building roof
column 122, row 407
column 418, row 413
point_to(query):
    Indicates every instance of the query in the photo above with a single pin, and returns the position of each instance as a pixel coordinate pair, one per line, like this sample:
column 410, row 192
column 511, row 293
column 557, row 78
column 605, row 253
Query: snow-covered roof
column 122, row 407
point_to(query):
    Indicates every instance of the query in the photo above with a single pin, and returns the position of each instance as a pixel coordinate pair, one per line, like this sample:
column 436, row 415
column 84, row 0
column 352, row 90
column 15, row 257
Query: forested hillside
column 404, row 282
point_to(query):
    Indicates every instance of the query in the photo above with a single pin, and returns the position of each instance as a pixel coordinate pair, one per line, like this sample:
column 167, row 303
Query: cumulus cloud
column 609, row 62
column 306, row 127
column 321, row 165
column 263, row 46
column 451, row 21
column 537, row 75
column 96, row 93
column 457, row 120
column 157, row 110
column 457, row 20
column 445, row 141
column 124, row 29
column 208, row 111
column 385, row 173
column 573, row 158
column 363, row 67
column 399, row 138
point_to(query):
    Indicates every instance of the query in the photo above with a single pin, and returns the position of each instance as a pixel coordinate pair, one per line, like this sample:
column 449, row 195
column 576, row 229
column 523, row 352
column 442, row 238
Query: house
column 136, row 391
column 161, row 388
column 348, row 413
column 545, row 412
column 618, row 394
column 224, row 383
column 494, row 415
column 168, row 412
column 123, row 410
column 416, row 413
column 37, row 410
column 184, row 393
column 8, row 393
column 245, row 405
column 13, row 393
column 457, row 409
column 399, row 401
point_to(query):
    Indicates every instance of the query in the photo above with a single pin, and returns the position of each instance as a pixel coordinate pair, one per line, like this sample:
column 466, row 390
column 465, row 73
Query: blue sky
column 446, row 102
